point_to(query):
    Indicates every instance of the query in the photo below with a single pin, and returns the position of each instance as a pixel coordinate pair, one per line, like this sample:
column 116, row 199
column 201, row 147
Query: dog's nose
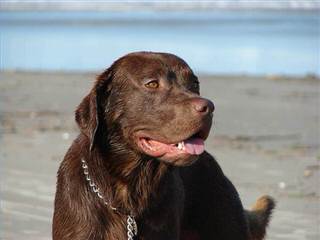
column 202, row 106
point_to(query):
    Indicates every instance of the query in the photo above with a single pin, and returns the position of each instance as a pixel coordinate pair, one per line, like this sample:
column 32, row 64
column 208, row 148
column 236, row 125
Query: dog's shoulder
column 70, row 168
column 213, row 208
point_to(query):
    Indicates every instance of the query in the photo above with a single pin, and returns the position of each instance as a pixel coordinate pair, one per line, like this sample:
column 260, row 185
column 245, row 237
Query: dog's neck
column 128, row 179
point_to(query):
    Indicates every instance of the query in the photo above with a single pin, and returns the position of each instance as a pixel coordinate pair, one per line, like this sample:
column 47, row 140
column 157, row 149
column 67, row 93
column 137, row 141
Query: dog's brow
column 171, row 75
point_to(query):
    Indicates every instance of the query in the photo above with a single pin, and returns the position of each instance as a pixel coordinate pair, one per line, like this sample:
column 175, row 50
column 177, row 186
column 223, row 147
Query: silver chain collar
column 132, row 227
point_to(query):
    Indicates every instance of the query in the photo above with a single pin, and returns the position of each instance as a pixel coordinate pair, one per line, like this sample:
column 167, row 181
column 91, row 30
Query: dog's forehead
column 153, row 65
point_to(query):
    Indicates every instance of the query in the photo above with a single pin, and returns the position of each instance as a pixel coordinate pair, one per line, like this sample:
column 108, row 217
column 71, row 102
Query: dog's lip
column 193, row 144
column 190, row 146
column 201, row 132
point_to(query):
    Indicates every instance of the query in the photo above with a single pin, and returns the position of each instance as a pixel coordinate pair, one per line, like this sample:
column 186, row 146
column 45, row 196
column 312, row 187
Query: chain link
column 132, row 227
column 93, row 186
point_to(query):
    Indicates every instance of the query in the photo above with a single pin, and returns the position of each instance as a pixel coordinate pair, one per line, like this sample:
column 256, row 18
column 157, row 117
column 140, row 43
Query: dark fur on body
column 169, row 201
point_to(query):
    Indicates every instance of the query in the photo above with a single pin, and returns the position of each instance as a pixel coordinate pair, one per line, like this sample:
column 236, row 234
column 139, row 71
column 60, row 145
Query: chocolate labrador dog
column 139, row 169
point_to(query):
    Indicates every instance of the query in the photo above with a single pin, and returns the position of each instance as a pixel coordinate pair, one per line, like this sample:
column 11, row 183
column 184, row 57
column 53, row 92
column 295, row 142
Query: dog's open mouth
column 193, row 145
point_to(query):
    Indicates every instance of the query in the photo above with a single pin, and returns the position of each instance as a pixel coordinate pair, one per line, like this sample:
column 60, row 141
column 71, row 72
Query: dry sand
column 265, row 136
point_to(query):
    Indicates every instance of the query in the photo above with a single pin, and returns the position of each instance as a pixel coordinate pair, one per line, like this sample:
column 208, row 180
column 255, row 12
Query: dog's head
column 148, row 103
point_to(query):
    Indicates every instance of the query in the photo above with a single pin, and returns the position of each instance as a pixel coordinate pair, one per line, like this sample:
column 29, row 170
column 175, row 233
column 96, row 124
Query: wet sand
column 265, row 136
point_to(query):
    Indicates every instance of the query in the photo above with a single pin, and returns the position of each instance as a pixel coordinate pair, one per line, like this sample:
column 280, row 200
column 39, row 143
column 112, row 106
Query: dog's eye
column 152, row 84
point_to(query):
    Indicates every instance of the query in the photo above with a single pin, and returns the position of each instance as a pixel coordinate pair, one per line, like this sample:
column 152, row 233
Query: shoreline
column 307, row 76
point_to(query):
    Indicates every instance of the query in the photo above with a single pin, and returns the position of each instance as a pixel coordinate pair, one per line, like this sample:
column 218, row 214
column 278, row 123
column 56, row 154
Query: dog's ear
column 87, row 114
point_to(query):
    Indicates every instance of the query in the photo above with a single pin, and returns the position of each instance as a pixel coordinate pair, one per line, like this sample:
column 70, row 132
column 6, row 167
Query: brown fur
column 169, row 201
column 259, row 217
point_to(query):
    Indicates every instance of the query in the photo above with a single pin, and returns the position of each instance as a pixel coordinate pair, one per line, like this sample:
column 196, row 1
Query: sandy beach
column 265, row 136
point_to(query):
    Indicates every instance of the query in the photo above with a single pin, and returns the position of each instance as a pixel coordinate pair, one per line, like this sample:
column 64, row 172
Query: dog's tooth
column 181, row 145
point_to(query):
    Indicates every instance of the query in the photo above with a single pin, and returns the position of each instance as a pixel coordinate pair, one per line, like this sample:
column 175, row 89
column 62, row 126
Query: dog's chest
column 163, row 219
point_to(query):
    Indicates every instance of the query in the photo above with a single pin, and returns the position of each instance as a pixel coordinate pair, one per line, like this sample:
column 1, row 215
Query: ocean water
column 212, row 42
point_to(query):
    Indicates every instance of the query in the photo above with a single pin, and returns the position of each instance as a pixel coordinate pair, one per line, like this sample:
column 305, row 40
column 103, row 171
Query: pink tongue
column 194, row 146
